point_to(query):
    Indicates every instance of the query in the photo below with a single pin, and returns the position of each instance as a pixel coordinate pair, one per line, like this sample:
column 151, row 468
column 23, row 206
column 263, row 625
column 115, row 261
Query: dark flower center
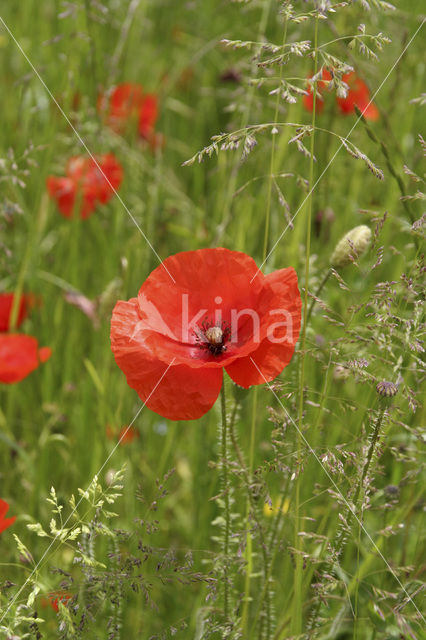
column 213, row 338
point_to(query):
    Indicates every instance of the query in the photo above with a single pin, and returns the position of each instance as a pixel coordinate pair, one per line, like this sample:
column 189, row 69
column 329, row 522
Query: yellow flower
column 273, row 510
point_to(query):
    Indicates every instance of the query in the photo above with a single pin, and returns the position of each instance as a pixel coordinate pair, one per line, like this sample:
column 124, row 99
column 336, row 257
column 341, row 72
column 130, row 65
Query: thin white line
column 338, row 491
column 82, row 497
column 80, row 139
column 340, row 147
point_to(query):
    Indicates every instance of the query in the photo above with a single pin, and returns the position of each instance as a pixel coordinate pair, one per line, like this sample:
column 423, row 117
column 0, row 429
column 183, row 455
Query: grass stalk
column 224, row 443
column 297, row 602
column 249, row 544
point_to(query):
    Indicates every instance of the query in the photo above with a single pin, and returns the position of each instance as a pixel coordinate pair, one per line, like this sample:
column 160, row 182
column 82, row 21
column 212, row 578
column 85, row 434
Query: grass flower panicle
column 357, row 95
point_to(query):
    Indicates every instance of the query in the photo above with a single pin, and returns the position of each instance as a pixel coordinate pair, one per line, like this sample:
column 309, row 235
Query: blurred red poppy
column 358, row 94
column 173, row 340
column 126, row 435
column 54, row 598
column 19, row 356
column 6, row 303
column 87, row 183
column 5, row 522
column 308, row 100
column 128, row 101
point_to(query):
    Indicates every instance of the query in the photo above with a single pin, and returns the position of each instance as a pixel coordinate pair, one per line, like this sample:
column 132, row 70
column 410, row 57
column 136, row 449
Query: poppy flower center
column 214, row 335
column 213, row 338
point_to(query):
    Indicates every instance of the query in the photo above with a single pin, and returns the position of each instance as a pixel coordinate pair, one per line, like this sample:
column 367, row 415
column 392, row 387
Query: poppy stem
column 227, row 503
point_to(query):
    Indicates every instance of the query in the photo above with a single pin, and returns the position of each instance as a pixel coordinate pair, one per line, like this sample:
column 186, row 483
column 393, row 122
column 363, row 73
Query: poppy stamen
column 213, row 338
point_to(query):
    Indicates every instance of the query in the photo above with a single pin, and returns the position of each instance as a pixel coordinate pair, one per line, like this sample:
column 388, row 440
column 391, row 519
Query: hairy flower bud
column 355, row 242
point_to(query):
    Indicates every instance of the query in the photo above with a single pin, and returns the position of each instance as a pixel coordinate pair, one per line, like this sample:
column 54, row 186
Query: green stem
column 94, row 83
column 249, row 555
column 226, row 500
column 271, row 170
column 317, row 292
column 354, row 510
column 271, row 544
column 263, row 546
column 372, row 446
column 297, row 608
column 388, row 159
column 227, row 205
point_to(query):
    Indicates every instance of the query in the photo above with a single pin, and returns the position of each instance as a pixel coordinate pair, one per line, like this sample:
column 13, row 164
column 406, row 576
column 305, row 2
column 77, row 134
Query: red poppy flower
column 126, row 435
column 358, row 95
column 5, row 522
column 19, row 356
column 54, row 598
column 6, row 303
column 86, row 183
column 174, row 339
column 128, row 101
column 308, row 100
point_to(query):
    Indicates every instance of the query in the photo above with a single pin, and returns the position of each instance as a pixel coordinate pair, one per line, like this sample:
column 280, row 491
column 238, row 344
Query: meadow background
column 303, row 567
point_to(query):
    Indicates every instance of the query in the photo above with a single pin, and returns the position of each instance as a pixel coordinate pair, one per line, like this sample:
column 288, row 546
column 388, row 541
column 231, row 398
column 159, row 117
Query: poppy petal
column 148, row 115
column 275, row 352
column 176, row 392
column 213, row 280
column 19, row 356
column 6, row 304
column 210, row 284
column 125, row 99
column 88, row 182
column 370, row 111
column 5, row 522
column 264, row 365
column 63, row 190
column 308, row 100
column 178, row 375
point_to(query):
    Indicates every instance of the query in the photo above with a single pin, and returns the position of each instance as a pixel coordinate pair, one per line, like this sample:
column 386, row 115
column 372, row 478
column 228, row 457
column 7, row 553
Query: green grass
column 53, row 424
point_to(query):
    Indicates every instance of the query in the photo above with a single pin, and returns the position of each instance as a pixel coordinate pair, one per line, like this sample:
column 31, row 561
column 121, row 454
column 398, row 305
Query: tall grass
column 323, row 502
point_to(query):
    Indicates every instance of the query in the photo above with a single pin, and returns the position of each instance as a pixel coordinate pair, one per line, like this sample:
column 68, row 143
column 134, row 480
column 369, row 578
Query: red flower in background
column 5, row 522
column 358, row 95
column 128, row 101
column 6, row 303
column 54, row 598
column 126, row 435
column 87, row 183
column 19, row 356
column 173, row 340
column 308, row 100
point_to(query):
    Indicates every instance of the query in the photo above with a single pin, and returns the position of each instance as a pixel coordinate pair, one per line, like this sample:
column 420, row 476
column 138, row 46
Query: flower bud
column 356, row 242
column 386, row 389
